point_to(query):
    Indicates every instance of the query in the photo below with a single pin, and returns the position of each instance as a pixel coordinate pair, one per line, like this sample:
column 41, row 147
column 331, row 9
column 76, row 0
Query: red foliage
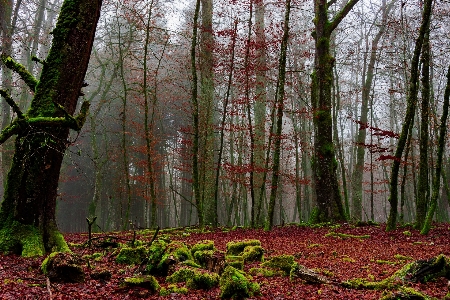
column 343, row 259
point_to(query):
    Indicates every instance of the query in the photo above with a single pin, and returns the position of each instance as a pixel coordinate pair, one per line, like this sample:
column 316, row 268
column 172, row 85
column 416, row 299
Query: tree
column 329, row 203
column 27, row 215
column 409, row 117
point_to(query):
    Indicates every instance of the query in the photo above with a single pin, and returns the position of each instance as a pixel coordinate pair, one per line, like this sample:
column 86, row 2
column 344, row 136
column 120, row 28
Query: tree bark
column 28, row 211
column 329, row 203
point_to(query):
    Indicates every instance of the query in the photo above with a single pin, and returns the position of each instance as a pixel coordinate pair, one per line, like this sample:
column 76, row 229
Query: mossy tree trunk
column 423, row 190
column 279, row 103
column 440, row 154
column 329, row 203
column 27, row 214
column 206, row 113
column 391, row 223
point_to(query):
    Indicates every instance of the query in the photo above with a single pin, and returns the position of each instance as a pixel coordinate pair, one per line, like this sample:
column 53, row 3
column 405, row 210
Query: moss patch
column 236, row 284
column 281, row 262
column 131, row 256
column 147, row 282
column 253, row 253
column 236, row 248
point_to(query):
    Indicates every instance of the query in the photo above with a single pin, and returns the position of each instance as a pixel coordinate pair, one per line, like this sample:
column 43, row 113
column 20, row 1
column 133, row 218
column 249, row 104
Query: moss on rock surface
column 131, row 256
column 147, row 282
column 202, row 246
column 253, row 253
column 194, row 278
column 236, row 284
column 63, row 267
column 281, row 262
column 236, row 248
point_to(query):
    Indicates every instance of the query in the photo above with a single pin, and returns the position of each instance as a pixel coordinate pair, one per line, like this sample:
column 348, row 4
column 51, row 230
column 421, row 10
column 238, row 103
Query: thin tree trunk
column 409, row 117
column 441, row 147
column 279, row 102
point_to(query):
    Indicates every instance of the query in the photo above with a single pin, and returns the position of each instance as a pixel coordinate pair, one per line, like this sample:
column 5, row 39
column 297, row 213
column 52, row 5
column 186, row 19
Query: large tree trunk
column 329, row 203
column 27, row 215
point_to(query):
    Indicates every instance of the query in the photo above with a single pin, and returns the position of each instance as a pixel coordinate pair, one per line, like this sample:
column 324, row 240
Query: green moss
column 202, row 256
column 97, row 256
column 155, row 254
column 131, row 256
column 385, row 262
column 407, row 233
column 405, row 293
column 147, row 282
column 236, row 248
column 236, row 284
column 202, row 246
column 281, row 262
column 348, row 259
column 402, row 257
column 202, row 280
column 236, row 261
column 44, row 264
column 190, row 263
column 180, row 275
column 173, row 289
column 194, row 278
column 25, row 240
column 253, row 253
column 174, row 250
column 346, row 236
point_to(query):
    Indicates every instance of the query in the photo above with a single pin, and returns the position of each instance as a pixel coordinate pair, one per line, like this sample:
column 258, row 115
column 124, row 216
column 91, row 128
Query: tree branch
column 21, row 70
column 341, row 14
column 11, row 103
column 9, row 131
column 331, row 2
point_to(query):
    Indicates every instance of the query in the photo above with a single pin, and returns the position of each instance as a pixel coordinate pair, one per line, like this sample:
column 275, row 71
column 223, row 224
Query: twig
column 49, row 289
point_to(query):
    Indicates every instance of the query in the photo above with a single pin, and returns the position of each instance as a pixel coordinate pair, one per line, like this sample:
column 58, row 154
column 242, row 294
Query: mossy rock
column 236, row 248
column 190, row 263
column 173, row 289
column 236, row 284
column 202, row 280
column 281, row 262
column 203, row 256
column 63, row 267
column 147, row 282
column 202, row 246
column 175, row 252
column 194, row 278
column 253, row 253
column 155, row 254
column 131, row 256
column 236, row 261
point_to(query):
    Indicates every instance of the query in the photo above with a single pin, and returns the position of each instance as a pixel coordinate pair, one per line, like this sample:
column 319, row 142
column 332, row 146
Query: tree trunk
column 423, row 184
column 357, row 178
column 441, row 146
column 329, row 203
column 279, row 102
column 28, row 210
column 391, row 223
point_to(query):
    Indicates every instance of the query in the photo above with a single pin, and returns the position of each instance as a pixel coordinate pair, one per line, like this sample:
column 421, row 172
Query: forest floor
column 375, row 257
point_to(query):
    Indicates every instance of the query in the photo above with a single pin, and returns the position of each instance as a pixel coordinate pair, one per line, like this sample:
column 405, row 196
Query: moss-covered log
column 42, row 134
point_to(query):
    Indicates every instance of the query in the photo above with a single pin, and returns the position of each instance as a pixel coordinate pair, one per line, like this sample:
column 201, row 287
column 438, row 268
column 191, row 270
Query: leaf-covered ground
column 375, row 257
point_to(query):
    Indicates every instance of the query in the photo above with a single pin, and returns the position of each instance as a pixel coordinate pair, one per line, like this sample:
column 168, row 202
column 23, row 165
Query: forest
column 149, row 154
column 169, row 124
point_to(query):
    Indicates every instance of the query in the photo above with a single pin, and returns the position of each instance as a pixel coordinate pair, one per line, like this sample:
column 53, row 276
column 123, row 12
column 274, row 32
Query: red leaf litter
column 372, row 258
